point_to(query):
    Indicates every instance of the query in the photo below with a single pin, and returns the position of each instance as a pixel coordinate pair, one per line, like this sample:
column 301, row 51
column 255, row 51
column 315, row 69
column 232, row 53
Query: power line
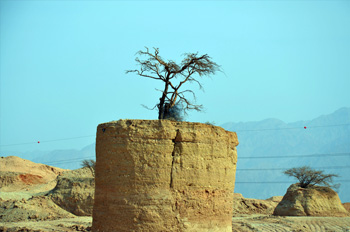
column 69, row 160
column 250, row 169
column 264, row 182
column 275, row 182
column 294, row 156
column 281, row 169
column 266, row 129
column 47, row 141
column 292, row 128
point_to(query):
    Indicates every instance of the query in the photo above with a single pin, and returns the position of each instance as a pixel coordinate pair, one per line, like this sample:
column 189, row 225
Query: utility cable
column 275, row 182
column 48, row 141
column 294, row 156
column 292, row 128
column 267, row 129
column 281, row 169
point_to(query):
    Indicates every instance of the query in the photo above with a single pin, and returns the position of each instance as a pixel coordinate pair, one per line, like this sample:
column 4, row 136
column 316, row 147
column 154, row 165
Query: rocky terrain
column 36, row 197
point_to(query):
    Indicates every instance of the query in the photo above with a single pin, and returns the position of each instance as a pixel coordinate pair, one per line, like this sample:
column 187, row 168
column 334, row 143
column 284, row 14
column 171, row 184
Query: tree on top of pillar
column 173, row 100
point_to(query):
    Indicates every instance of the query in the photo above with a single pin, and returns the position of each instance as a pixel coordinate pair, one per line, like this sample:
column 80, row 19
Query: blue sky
column 62, row 63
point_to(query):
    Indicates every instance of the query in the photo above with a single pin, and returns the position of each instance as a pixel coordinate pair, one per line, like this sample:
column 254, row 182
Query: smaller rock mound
column 311, row 201
column 19, row 174
column 75, row 192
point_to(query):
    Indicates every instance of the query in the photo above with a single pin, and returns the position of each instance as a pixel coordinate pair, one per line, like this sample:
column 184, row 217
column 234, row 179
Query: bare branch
column 174, row 77
column 148, row 107
column 143, row 75
column 89, row 164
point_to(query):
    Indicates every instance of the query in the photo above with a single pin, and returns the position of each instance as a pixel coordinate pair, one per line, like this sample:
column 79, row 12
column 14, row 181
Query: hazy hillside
column 326, row 135
column 66, row 159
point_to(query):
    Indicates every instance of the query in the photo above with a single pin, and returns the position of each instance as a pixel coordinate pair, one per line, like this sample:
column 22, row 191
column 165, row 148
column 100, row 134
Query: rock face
column 312, row 201
column 248, row 206
column 162, row 175
column 347, row 206
column 17, row 173
column 75, row 191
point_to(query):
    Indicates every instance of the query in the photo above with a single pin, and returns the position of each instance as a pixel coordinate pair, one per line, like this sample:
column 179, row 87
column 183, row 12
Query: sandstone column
column 161, row 175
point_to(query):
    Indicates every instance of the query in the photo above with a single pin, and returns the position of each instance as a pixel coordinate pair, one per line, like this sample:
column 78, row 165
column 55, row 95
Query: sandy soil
column 243, row 223
column 25, row 206
column 61, row 225
column 275, row 223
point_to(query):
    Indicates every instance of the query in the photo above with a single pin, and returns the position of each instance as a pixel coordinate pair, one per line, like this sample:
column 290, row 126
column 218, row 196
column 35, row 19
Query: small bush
column 308, row 177
column 175, row 113
column 89, row 164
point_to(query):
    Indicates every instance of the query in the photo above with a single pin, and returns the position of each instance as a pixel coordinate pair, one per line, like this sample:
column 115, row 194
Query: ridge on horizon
column 345, row 110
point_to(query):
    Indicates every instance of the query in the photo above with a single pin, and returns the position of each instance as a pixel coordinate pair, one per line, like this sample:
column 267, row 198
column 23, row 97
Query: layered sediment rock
column 246, row 206
column 311, row 201
column 75, row 191
column 162, row 175
column 17, row 173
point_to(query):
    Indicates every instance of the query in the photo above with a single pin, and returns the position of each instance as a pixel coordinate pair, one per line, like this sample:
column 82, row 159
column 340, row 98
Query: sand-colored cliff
column 162, row 175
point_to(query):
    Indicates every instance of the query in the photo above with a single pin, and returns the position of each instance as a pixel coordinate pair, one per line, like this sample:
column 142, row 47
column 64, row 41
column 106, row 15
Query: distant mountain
column 327, row 135
column 69, row 159
column 66, row 159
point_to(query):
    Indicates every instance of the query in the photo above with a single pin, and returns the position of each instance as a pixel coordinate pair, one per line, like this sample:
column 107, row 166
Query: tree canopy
column 174, row 77
column 309, row 177
column 89, row 164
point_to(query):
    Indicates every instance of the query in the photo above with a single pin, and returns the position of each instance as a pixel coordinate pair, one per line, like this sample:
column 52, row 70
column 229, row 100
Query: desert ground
column 37, row 197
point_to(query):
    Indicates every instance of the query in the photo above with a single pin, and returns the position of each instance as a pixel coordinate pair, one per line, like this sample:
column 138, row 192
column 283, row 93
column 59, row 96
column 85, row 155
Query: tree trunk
column 161, row 106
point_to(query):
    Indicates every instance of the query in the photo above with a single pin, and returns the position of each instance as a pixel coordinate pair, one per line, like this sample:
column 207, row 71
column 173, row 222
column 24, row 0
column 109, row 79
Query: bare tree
column 89, row 164
column 174, row 77
column 308, row 177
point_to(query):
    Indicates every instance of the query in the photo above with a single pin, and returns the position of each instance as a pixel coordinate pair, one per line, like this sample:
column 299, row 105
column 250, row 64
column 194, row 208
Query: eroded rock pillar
column 160, row 175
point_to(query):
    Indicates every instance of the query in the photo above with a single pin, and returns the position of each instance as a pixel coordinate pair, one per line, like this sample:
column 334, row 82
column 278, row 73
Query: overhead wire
column 69, row 160
column 292, row 128
column 264, row 129
column 275, row 182
column 295, row 156
column 251, row 157
column 281, row 169
column 47, row 141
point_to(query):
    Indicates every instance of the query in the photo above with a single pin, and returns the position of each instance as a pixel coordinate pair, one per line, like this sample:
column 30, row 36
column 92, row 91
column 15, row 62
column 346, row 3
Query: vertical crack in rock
column 173, row 161
column 175, row 154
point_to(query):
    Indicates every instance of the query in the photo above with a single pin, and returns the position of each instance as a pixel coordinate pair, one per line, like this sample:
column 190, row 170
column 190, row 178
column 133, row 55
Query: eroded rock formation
column 162, row 175
column 75, row 191
column 248, row 206
column 17, row 173
column 311, row 201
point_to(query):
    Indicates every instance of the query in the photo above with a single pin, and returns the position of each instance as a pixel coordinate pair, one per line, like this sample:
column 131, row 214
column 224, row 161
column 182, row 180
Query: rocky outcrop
column 347, row 206
column 75, row 191
column 246, row 206
column 163, row 175
column 311, row 201
column 17, row 173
